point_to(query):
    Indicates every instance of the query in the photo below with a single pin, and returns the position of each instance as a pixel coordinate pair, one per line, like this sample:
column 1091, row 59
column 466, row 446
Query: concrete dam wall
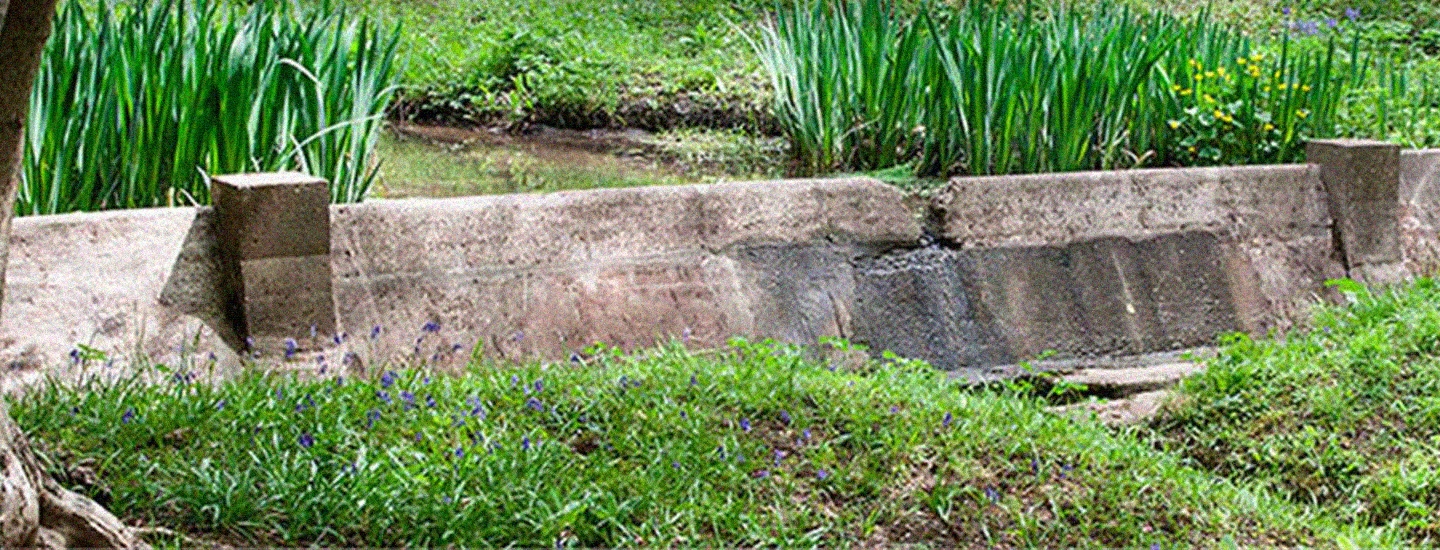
column 987, row 272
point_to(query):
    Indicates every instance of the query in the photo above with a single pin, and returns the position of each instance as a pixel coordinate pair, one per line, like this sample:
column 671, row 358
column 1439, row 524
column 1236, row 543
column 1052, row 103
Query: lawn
column 754, row 444
column 1344, row 417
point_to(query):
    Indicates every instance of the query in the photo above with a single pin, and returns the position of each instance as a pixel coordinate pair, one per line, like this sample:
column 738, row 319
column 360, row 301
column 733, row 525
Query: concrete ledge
column 545, row 275
column 1054, row 209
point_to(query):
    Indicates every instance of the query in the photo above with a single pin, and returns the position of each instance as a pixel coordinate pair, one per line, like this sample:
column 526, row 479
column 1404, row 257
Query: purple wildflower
column 459, row 452
column 518, row 336
column 992, row 494
column 1285, row 11
column 805, row 434
column 313, row 331
column 383, row 396
column 821, row 474
column 290, row 347
column 525, row 443
column 514, row 380
column 371, row 417
column 779, row 455
column 1331, row 22
column 475, row 409
column 675, row 465
column 574, row 358
column 1154, row 546
column 430, row 401
column 338, row 339
column 75, row 355
column 128, row 416
column 762, row 474
column 745, row 425
column 539, row 386
column 307, row 440
column 894, row 409
column 945, row 422
column 535, row 404
column 249, row 342
column 1352, row 14
column 430, row 326
column 456, row 347
column 220, row 405
column 785, row 417
column 409, row 399
column 693, row 381
column 375, row 332
column 388, row 379
column 1035, row 466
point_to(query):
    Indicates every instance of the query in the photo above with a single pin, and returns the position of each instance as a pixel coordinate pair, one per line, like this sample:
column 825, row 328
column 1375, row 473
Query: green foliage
column 577, row 63
column 860, row 85
column 754, row 444
column 135, row 104
column 1345, row 416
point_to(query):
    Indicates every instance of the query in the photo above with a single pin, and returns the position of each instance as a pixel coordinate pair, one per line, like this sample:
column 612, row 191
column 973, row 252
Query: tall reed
column 137, row 102
column 983, row 90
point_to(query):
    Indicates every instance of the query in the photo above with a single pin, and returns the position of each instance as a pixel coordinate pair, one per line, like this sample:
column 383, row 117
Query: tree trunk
column 35, row 511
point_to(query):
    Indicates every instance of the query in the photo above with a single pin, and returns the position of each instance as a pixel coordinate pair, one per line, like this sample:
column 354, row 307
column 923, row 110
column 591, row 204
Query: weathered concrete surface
column 1120, row 412
column 1047, row 209
column 1124, row 382
column 1362, row 180
column 1420, row 210
column 546, row 275
column 94, row 279
column 1102, row 263
column 273, row 231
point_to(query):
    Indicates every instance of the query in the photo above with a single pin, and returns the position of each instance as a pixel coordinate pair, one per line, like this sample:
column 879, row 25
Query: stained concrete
column 546, row 275
column 992, row 272
column 1419, row 193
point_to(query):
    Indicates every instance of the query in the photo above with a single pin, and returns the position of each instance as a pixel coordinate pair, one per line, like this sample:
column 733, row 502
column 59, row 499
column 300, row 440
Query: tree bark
column 35, row 511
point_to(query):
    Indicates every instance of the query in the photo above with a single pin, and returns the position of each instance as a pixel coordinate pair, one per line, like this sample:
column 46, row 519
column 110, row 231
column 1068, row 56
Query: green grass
column 1344, row 416
column 579, row 63
column 135, row 104
column 860, row 86
column 753, row 444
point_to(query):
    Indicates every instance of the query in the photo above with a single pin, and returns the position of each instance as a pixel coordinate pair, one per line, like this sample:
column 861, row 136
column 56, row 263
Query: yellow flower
column 1268, row 126
column 1210, row 74
column 1254, row 71
column 1187, row 91
column 1257, row 56
column 1199, row 77
column 1240, row 61
column 1302, row 113
column 1220, row 71
column 1209, row 98
column 1175, row 88
column 1282, row 86
column 1174, row 124
column 1267, row 88
column 1219, row 114
column 1305, row 88
column 1192, row 148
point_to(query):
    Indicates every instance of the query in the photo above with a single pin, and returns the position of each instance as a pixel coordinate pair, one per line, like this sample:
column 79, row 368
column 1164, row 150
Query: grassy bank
column 750, row 445
column 1344, row 417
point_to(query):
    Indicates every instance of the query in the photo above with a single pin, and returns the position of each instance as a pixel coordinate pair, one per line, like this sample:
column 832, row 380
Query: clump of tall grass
column 859, row 85
column 136, row 102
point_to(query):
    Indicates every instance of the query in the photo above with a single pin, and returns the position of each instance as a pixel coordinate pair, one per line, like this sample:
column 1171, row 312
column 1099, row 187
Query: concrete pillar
column 274, row 236
column 1362, row 183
